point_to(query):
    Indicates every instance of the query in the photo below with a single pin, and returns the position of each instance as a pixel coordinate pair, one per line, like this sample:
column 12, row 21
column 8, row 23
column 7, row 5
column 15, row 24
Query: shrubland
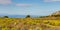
column 28, row 24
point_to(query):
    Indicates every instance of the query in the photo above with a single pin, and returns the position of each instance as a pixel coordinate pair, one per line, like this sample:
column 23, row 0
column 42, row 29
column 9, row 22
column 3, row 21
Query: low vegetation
column 28, row 24
column 42, row 23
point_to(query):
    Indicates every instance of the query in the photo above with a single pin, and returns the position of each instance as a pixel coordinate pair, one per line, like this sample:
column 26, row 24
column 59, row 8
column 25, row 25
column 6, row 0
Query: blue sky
column 31, row 7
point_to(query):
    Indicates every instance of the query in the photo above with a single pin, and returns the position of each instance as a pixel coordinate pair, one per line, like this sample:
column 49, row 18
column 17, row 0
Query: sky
column 29, row 7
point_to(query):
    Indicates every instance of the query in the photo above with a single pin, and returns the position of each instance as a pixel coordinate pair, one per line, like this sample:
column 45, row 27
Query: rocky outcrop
column 56, row 13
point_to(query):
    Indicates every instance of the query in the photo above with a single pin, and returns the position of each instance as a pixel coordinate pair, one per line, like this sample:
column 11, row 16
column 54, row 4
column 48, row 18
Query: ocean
column 17, row 16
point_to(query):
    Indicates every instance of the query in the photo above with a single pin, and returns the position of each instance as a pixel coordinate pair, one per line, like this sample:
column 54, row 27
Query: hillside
column 56, row 13
column 53, row 16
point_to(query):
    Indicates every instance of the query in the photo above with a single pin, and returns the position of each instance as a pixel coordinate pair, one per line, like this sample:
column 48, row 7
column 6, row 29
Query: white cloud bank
column 5, row 1
column 51, row 0
column 23, row 4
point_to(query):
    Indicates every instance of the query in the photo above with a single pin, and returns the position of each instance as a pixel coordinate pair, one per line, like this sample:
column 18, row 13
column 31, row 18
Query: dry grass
column 28, row 24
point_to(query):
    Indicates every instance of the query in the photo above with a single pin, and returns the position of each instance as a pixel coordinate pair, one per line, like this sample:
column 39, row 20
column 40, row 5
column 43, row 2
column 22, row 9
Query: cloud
column 23, row 4
column 5, row 1
column 51, row 0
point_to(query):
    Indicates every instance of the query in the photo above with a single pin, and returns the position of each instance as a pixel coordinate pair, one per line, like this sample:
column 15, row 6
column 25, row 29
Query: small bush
column 6, row 17
column 28, row 16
